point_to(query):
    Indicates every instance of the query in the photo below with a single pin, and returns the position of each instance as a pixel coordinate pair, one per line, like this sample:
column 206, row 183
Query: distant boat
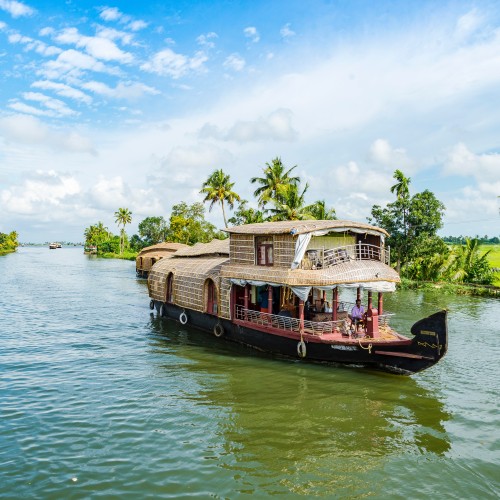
column 90, row 249
column 53, row 246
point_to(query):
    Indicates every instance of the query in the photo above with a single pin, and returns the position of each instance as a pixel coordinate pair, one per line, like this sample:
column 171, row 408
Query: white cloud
column 112, row 34
column 36, row 45
column 22, row 107
column 72, row 63
column 137, row 25
column 252, row 33
column 110, row 14
column 55, row 105
column 169, row 63
column 16, row 9
column 234, row 62
column 286, row 32
column 277, row 126
column 42, row 195
column 205, row 40
column 468, row 24
column 31, row 131
column 63, row 90
column 97, row 46
column 461, row 161
column 123, row 90
column 383, row 154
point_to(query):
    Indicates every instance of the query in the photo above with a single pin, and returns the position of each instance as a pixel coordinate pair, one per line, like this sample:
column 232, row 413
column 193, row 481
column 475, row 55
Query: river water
column 100, row 398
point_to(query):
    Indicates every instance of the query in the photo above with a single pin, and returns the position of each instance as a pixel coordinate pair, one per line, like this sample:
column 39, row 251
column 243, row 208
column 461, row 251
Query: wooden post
column 270, row 299
column 301, row 316
column 380, row 303
column 370, row 301
column 246, row 302
column 335, row 303
column 358, row 293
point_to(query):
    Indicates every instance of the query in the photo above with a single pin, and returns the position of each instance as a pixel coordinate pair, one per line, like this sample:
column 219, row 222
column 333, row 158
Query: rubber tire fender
column 218, row 329
column 163, row 310
column 152, row 304
column 183, row 318
column 301, row 349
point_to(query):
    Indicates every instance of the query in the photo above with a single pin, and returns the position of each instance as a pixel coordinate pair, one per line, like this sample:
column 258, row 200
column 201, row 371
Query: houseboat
column 278, row 287
column 147, row 257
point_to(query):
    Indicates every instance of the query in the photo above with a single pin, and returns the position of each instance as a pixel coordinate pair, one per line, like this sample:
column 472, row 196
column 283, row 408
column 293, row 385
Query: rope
column 369, row 348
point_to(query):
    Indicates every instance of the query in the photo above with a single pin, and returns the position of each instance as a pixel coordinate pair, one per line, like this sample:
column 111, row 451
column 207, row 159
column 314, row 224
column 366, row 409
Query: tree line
column 411, row 220
column 8, row 242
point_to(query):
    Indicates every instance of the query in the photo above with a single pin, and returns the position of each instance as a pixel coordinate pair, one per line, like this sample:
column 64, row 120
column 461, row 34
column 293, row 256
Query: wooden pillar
column 335, row 303
column 245, row 304
column 301, row 316
column 380, row 303
column 270, row 299
column 358, row 293
column 370, row 301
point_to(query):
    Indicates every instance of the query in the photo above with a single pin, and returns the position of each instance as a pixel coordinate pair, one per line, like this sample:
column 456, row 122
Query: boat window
column 212, row 307
column 170, row 288
column 264, row 250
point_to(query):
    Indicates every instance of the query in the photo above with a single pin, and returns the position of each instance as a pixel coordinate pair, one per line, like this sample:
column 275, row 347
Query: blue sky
column 134, row 104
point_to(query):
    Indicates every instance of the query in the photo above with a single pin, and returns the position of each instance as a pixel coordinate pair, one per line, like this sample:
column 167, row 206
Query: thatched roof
column 215, row 247
column 162, row 248
column 348, row 272
column 303, row 226
column 202, row 266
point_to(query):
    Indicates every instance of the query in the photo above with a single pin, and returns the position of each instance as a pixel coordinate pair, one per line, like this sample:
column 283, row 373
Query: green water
column 99, row 398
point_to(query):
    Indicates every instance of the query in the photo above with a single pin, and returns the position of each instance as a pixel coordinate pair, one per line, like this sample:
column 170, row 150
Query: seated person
column 357, row 314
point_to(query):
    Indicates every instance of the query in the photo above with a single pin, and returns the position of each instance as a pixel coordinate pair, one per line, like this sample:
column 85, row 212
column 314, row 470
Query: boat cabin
column 148, row 256
column 286, row 274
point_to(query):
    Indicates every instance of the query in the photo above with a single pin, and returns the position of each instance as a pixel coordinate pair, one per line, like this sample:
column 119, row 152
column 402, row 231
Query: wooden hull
column 400, row 356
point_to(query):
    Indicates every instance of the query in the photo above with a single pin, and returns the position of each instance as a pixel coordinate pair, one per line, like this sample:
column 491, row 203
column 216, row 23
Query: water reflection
column 304, row 428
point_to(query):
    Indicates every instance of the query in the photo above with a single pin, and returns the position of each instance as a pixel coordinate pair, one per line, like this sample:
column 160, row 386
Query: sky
column 134, row 104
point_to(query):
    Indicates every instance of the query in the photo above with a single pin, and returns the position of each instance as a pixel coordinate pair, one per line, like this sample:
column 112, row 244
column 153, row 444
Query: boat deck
column 338, row 331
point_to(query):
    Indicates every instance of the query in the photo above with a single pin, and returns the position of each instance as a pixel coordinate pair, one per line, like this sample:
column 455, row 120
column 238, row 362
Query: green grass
column 493, row 259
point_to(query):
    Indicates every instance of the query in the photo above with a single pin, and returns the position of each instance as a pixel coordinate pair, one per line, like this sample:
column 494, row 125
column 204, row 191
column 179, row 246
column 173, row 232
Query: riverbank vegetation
column 8, row 243
column 422, row 258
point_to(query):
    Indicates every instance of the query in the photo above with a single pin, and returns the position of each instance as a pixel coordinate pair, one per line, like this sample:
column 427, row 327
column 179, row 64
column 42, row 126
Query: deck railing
column 287, row 323
column 320, row 258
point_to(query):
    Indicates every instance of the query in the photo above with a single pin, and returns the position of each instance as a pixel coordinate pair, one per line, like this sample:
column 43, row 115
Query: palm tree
column 217, row 189
column 291, row 205
column 123, row 216
column 319, row 211
column 274, row 183
column 402, row 186
column 468, row 266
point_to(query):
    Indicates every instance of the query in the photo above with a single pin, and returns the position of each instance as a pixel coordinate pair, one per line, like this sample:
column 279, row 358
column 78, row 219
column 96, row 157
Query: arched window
column 212, row 306
column 170, row 288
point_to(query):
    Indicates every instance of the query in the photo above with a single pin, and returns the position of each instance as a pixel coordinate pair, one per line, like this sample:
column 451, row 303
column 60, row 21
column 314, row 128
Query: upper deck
column 307, row 245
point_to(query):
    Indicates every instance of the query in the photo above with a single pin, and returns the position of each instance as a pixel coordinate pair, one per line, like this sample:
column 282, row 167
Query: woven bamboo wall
column 242, row 249
column 225, row 298
column 189, row 279
column 284, row 250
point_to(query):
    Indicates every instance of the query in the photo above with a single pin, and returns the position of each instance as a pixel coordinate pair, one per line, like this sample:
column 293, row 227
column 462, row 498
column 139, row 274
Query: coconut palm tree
column 274, row 183
column 219, row 188
column 291, row 205
column 319, row 211
column 123, row 216
column 468, row 266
